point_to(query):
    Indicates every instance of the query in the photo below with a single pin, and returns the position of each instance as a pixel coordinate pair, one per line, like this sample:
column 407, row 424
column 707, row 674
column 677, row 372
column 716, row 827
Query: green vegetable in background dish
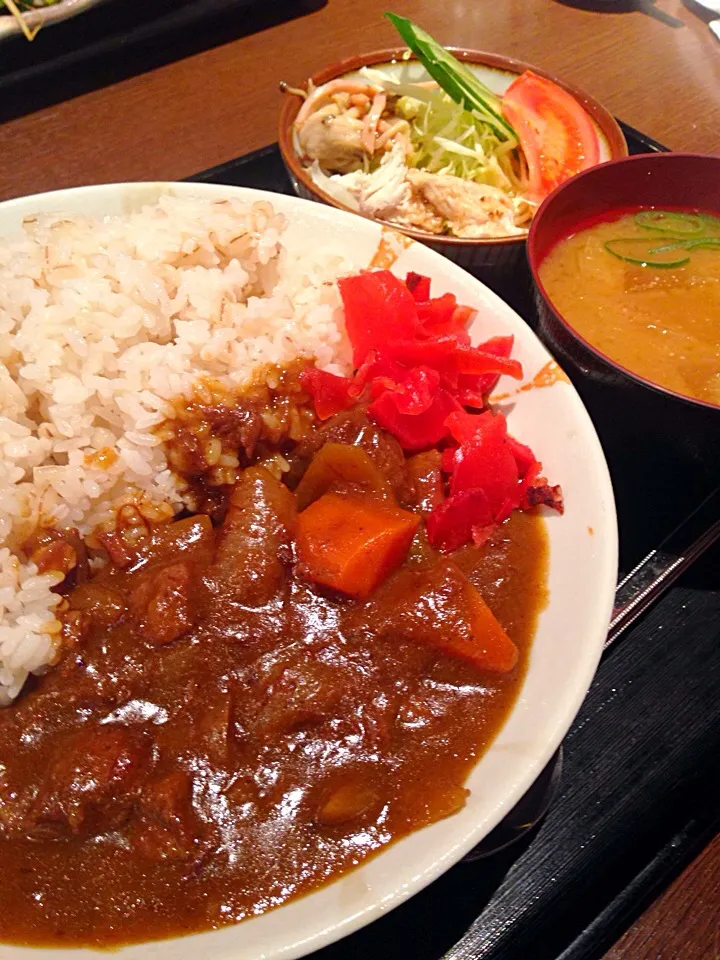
column 670, row 221
column 697, row 231
column 645, row 253
column 423, row 143
column 454, row 77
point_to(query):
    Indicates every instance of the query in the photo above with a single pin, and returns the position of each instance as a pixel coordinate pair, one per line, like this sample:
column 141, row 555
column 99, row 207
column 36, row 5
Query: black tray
column 651, row 499
column 118, row 39
column 640, row 790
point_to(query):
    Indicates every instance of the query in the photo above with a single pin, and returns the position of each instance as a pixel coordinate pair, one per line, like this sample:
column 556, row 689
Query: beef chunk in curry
column 225, row 730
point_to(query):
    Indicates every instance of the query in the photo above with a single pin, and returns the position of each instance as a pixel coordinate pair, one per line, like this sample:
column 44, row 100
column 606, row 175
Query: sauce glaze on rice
column 103, row 324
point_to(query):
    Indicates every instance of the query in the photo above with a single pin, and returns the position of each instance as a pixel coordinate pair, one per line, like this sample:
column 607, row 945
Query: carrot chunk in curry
column 352, row 545
column 294, row 668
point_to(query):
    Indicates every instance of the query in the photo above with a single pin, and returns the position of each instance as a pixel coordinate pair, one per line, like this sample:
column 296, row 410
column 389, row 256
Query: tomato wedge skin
column 556, row 133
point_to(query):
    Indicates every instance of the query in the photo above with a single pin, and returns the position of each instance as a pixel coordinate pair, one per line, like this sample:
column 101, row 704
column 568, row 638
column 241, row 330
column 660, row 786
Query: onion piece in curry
column 302, row 664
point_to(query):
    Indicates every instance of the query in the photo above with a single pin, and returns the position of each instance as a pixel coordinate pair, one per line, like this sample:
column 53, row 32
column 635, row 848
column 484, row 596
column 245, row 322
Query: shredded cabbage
column 446, row 138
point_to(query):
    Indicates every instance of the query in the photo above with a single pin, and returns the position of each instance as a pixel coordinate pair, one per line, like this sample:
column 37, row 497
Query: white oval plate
column 570, row 634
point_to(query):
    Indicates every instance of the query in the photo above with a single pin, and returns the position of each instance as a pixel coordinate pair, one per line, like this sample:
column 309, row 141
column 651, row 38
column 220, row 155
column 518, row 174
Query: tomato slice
column 556, row 133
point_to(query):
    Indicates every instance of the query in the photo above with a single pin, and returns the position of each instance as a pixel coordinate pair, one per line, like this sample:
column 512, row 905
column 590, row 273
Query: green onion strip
column 675, row 252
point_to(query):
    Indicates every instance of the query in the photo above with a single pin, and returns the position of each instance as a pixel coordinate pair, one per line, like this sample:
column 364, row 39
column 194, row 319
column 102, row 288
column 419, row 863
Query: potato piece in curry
column 218, row 703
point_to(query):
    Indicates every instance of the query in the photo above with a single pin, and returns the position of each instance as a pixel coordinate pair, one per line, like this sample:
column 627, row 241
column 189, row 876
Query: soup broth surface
column 660, row 322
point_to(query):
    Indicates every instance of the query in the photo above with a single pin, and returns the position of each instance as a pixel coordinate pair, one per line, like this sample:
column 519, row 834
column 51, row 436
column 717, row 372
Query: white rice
column 102, row 323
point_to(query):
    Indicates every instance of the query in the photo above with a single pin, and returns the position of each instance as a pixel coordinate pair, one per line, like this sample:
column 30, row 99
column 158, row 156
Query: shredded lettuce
column 446, row 138
column 456, row 78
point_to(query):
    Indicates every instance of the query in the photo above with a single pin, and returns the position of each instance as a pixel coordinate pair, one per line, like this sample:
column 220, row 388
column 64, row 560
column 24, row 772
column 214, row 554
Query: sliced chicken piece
column 372, row 119
column 385, row 191
column 333, row 138
column 341, row 89
column 420, row 215
column 470, row 209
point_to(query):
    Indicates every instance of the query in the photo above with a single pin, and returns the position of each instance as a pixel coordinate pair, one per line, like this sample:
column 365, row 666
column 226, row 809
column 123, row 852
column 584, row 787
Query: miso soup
column 644, row 289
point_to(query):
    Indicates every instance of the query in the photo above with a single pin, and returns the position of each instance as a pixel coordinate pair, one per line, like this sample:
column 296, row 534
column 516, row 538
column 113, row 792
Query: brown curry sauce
column 221, row 735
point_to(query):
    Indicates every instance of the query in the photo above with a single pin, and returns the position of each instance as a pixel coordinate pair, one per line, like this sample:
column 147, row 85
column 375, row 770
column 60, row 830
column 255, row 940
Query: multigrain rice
column 102, row 324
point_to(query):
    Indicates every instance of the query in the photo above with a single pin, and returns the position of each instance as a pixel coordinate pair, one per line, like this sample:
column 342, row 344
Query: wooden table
column 657, row 70
column 682, row 924
column 201, row 111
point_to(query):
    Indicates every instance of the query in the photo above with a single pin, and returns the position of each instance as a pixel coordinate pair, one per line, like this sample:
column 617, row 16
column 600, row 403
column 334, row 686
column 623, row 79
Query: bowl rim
column 327, row 926
column 535, row 262
column 291, row 106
